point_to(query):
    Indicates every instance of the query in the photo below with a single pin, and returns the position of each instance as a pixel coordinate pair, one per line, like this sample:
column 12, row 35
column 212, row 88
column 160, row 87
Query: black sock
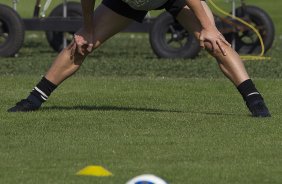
column 41, row 92
column 249, row 92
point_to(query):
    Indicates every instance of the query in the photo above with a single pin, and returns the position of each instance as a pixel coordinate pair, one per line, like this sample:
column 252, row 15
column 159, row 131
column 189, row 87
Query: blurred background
column 138, row 61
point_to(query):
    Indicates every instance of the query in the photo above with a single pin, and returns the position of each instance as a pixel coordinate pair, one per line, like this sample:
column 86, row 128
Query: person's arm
column 209, row 32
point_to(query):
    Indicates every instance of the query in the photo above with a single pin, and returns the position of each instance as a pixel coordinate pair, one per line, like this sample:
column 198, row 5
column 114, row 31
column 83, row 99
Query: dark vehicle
column 167, row 37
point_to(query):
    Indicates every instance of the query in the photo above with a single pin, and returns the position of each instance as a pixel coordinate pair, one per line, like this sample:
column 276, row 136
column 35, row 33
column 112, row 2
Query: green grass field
column 184, row 130
column 133, row 114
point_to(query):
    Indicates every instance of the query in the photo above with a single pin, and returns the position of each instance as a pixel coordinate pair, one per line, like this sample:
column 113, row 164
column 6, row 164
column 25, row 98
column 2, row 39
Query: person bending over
column 112, row 16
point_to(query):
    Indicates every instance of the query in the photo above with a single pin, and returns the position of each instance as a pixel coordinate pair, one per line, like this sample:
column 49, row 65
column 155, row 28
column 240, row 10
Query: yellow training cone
column 94, row 170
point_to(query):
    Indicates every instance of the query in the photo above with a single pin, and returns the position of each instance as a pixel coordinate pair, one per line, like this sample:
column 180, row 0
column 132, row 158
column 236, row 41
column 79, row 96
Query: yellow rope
column 246, row 57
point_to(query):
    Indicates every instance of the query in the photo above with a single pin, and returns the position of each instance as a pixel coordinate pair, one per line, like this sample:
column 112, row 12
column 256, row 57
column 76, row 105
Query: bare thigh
column 107, row 23
column 189, row 21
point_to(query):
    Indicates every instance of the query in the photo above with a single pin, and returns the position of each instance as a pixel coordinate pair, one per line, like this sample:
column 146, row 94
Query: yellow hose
column 246, row 57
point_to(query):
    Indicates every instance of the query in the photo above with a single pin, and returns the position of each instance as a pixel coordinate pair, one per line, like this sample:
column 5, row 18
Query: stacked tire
column 11, row 31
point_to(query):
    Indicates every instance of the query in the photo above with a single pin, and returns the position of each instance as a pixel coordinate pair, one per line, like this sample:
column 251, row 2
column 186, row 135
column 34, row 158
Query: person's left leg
column 231, row 64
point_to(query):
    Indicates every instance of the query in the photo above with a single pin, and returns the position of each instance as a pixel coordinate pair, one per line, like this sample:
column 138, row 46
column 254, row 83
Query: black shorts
column 121, row 8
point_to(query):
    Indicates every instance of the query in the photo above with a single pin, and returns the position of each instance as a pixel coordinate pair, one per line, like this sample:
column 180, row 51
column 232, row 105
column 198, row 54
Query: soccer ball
column 146, row 179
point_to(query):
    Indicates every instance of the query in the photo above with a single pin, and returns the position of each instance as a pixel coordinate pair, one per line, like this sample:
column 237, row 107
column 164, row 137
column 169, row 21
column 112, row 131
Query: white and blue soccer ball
column 146, row 179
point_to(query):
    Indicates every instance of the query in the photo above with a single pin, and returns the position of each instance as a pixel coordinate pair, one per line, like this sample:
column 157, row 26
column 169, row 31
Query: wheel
column 246, row 40
column 11, row 31
column 169, row 39
column 55, row 38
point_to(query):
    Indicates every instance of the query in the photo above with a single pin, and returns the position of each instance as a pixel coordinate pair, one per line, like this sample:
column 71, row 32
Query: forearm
column 88, row 10
column 198, row 9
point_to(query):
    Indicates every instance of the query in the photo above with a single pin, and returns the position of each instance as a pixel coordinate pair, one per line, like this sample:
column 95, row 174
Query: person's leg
column 231, row 64
column 106, row 24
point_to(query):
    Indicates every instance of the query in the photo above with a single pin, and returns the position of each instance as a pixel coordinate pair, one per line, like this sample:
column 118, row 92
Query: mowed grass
column 184, row 130
column 132, row 113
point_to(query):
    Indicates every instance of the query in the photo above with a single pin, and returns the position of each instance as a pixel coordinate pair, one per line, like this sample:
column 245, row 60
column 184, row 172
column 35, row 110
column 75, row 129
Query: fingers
column 85, row 49
column 82, row 45
column 90, row 47
column 202, row 43
column 80, row 50
column 217, row 45
column 79, row 41
column 222, row 49
column 225, row 42
column 74, row 46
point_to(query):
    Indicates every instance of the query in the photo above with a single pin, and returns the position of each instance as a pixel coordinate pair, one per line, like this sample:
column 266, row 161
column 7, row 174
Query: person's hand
column 215, row 38
column 83, row 42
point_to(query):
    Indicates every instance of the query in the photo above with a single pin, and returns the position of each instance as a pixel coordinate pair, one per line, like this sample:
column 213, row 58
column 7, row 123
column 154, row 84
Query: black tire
column 169, row 39
column 247, row 42
column 11, row 31
column 55, row 38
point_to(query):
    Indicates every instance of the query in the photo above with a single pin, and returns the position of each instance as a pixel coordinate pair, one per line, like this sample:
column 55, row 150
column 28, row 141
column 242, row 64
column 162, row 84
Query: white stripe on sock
column 43, row 98
column 254, row 93
column 41, row 92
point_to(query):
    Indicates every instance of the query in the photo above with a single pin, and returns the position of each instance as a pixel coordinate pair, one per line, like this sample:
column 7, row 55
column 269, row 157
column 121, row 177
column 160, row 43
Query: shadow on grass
column 107, row 108
column 116, row 108
column 221, row 114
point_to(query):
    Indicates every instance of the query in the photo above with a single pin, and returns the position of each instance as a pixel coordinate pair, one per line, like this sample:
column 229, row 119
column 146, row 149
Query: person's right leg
column 106, row 24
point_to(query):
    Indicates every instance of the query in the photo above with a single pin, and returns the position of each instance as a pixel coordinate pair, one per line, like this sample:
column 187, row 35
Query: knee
column 78, row 56
column 216, row 52
column 86, row 49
